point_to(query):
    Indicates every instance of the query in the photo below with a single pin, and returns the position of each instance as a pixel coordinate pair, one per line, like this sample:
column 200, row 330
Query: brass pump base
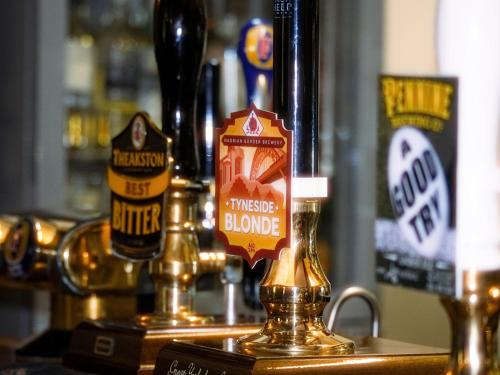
column 312, row 339
column 176, row 270
column 294, row 292
column 474, row 322
column 182, row 318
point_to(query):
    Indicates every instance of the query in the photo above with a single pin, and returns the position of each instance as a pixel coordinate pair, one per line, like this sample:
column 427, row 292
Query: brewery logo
column 423, row 103
column 265, row 46
column 252, row 126
column 253, row 190
column 255, row 49
column 138, row 133
column 257, row 45
column 418, row 190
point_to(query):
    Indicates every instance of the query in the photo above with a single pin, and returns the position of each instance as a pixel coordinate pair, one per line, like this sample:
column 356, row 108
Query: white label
column 418, row 191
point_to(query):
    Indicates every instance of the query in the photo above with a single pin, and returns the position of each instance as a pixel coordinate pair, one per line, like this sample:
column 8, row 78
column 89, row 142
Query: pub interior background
column 56, row 122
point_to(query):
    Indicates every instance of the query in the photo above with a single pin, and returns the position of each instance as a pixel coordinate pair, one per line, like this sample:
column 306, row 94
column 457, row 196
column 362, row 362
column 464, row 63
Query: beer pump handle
column 208, row 117
column 255, row 50
column 179, row 43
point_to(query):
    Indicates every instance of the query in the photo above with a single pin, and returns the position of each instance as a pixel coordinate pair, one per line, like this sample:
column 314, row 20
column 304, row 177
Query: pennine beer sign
column 415, row 228
column 253, row 154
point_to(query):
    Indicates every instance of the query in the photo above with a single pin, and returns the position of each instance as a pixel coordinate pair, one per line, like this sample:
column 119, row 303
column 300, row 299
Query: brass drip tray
column 124, row 348
column 372, row 356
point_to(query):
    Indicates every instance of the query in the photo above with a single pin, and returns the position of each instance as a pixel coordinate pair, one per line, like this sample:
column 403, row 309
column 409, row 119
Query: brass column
column 474, row 323
column 175, row 272
column 294, row 292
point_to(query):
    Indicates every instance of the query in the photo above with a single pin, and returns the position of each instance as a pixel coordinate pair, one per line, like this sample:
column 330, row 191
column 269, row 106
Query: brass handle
column 212, row 261
column 87, row 265
column 30, row 244
column 365, row 295
column 474, row 324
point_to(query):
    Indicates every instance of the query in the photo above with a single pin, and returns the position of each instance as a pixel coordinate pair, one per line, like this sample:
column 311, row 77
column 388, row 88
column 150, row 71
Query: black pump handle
column 179, row 40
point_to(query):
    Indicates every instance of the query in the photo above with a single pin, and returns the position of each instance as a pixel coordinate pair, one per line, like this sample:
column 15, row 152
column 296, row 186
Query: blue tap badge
column 255, row 50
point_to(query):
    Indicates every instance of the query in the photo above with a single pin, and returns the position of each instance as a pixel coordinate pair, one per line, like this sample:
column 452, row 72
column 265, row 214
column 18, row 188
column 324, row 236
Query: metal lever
column 364, row 294
column 231, row 276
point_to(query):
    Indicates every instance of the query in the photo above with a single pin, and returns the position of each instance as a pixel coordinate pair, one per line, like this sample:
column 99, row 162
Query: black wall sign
column 416, row 172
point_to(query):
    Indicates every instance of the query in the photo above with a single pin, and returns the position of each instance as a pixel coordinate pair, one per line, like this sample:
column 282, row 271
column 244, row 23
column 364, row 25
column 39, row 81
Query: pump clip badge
column 138, row 176
column 253, row 154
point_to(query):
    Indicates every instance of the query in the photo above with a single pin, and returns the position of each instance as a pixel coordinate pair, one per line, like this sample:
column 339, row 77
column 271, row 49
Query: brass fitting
column 74, row 262
column 474, row 322
column 30, row 246
column 67, row 309
column 175, row 272
column 86, row 264
column 294, row 292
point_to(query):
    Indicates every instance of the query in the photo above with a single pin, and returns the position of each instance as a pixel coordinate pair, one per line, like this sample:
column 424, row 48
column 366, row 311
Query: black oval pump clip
column 138, row 177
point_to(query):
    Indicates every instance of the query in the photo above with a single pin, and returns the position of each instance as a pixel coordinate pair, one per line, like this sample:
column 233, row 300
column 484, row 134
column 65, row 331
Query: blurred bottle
column 110, row 74
column 80, row 56
column 118, row 70
column 80, row 74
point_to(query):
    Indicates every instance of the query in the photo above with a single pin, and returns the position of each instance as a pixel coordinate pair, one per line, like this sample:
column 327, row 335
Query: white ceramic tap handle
column 468, row 43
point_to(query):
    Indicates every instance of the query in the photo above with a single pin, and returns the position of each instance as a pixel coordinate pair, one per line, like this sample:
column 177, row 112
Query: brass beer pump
column 295, row 290
column 175, row 272
column 179, row 39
